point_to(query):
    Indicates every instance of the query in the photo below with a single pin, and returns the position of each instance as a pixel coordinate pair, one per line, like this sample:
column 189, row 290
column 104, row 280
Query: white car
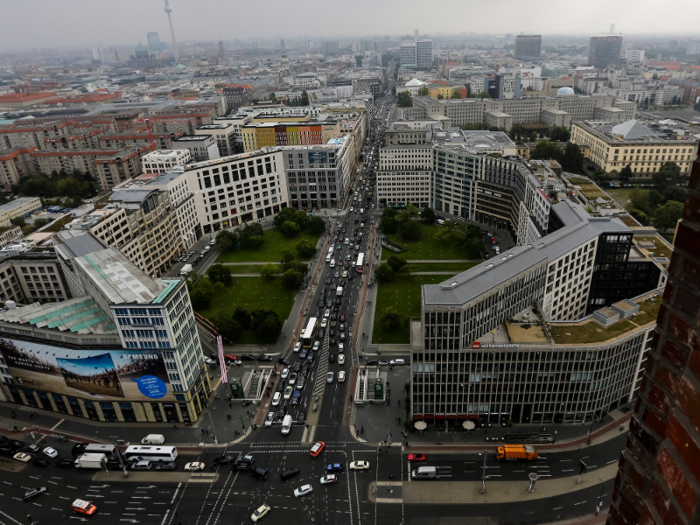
column 209, row 361
column 341, row 361
column 344, row 274
column 196, row 466
column 359, row 465
column 330, row 478
column 341, row 375
column 327, row 313
column 317, row 345
column 287, row 392
column 22, row 456
column 397, row 362
column 260, row 512
column 341, row 348
column 303, row 491
column 276, row 399
column 324, row 322
column 51, row 452
column 297, row 347
column 329, row 377
column 269, row 419
column 285, row 373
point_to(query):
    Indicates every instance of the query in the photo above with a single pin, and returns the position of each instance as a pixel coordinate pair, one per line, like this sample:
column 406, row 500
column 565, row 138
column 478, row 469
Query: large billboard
column 318, row 157
column 103, row 375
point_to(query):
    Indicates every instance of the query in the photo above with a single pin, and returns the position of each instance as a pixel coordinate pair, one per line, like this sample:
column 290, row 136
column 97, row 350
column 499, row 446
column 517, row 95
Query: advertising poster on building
column 318, row 157
column 99, row 374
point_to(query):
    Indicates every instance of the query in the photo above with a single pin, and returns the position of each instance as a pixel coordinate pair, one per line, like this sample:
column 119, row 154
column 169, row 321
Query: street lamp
column 600, row 498
column 115, row 439
column 590, row 430
column 483, row 473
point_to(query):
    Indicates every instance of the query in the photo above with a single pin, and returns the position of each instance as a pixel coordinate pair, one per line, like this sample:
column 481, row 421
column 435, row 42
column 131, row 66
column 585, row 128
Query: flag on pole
column 222, row 361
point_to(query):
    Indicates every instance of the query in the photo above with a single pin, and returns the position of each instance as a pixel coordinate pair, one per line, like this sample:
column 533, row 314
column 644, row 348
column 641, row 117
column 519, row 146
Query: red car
column 416, row 457
column 493, row 241
column 342, row 318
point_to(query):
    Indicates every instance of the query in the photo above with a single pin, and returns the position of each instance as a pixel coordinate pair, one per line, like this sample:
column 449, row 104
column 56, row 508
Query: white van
column 332, row 263
column 362, row 210
column 153, row 439
column 328, row 258
column 286, row 424
column 424, row 473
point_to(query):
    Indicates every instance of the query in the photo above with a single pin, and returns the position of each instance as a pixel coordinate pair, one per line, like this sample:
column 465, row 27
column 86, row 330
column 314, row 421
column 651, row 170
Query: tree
column 404, row 100
column 272, row 98
column 298, row 217
column 546, row 150
column 668, row 215
column 384, row 273
column 266, row 325
column 389, row 225
column 226, row 240
column 390, row 320
column 440, row 97
column 243, row 317
column 572, row 159
column 292, row 279
column 423, row 92
column 19, row 221
column 290, row 229
column 304, row 98
column 305, row 249
column 269, row 270
column 428, row 215
column 228, row 327
column 675, row 193
column 626, row 173
column 410, row 231
column 251, row 236
column 456, row 94
column 641, row 217
column 474, row 247
column 640, row 200
column 286, row 257
column 396, row 263
column 200, row 299
column 218, row 273
column 559, row 134
column 316, row 225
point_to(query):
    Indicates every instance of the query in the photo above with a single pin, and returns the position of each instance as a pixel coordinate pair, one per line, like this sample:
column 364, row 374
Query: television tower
column 172, row 31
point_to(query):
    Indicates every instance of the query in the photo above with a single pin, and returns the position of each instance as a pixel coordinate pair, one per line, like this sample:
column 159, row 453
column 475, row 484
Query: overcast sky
column 53, row 23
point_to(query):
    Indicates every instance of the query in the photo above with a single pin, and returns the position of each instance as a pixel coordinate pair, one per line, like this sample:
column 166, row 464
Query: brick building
column 659, row 476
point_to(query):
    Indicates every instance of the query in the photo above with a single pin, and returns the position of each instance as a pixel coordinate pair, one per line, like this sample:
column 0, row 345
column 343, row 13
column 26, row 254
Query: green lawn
column 271, row 250
column 428, row 247
column 403, row 294
column 621, row 196
column 456, row 267
column 252, row 293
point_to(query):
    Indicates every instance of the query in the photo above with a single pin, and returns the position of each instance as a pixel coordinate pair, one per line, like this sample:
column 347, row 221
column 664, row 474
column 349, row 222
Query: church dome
column 565, row 91
column 141, row 51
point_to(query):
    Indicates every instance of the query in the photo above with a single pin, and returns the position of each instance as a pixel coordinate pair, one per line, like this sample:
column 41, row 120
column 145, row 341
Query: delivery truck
column 91, row 461
column 516, row 452
column 186, row 269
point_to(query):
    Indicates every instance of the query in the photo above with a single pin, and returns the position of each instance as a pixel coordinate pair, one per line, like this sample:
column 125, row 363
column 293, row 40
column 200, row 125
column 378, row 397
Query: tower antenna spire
column 168, row 10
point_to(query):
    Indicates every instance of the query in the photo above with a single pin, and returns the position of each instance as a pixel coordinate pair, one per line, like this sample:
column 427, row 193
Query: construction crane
column 150, row 135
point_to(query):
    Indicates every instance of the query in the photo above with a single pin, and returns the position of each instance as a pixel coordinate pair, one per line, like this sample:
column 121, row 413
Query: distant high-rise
column 282, row 45
column 673, row 46
column 153, row 42
column 604, row 51
column 168, row 10
column 417, row 53
column 528, row 47
column 329, row 47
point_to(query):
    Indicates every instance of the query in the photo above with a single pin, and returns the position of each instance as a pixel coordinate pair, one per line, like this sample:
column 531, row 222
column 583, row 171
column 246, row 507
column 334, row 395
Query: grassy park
column 404, row 295
column 428, row 247
column 271, row 250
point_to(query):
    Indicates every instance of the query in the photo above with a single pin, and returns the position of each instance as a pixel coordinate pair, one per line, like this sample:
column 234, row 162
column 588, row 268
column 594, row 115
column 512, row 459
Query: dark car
column 168, row 465
column 305, row 370
column 301, row 418
column 310, row 358
column 41, row 463
column 331, row 333
column 279, row 387
column 288, row 474
column 331, row 358
column 281, row 412
column 3, row 440
column 328, row 281
column 321, row 334
column 222, row 460
column 15, row 444
column 247, row 357
column 303, row 354
column 350, row 277
column 297, row 366
column 33, row 448
column 259, row 472
column 333, row 342
column 265, row 357
column 335, row 467
column 283, row 361
column 241, row 466
column 371, row 362
column 64, row 463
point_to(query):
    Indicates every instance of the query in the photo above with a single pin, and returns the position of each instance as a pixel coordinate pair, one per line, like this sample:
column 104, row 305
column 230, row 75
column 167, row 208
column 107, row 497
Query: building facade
column 528, row 47
column 202, row 147
column 615, row 146
column 224, row 134
column 160, row 161
column 604, row 51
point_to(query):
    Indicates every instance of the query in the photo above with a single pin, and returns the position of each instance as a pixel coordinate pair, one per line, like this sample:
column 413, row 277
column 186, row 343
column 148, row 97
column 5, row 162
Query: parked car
column 167, row 465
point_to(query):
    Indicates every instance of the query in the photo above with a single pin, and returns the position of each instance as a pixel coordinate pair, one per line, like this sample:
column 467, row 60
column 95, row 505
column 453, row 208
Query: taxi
column 317, row 448
column 84, row 507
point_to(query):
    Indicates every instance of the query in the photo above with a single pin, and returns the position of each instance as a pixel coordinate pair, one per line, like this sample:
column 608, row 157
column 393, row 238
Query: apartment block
column 129, row 348
column 202, row 147
column 614, row 146
column 15, row 164
column 237, row 189
column 21, row 207
column 32, row 277
column 163, row 160
column 405, row 172
column 528, row 47
column 224, row 134
column 270, row 134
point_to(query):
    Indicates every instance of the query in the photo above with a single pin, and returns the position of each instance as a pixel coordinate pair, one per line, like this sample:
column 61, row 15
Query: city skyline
column 76, row 24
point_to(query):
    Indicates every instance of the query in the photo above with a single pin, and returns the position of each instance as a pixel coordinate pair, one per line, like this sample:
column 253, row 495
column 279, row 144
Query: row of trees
column 265, row 324
column 292, row 271
column 290, row 222
column 394, row 221
column 77, row 185
column 571, row 158
column 663, row 204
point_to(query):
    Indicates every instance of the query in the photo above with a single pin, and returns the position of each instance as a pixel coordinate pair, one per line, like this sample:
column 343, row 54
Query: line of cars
column 333, row 470
column 13, row 448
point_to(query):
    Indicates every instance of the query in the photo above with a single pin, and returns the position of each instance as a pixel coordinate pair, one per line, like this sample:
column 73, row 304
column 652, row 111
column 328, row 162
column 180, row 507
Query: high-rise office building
column 604, row 51
column 424, row 53
column 153, row 42
column 528, row 47
column 408, row 53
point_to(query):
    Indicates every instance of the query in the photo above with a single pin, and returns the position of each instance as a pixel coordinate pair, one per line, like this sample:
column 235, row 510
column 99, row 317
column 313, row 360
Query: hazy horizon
column 27, row 24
